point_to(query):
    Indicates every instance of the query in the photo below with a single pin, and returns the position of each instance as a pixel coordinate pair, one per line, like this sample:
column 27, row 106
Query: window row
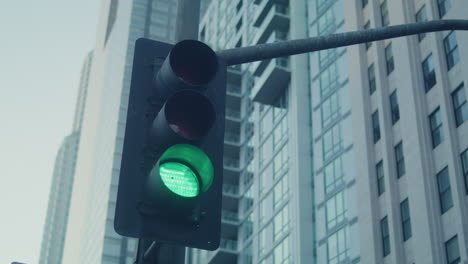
column 395, row 116
column 452, row 57
column 460, row 108
column 443, row 182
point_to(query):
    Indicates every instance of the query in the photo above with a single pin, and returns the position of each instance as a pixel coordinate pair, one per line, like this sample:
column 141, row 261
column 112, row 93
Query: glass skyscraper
column 62, row 180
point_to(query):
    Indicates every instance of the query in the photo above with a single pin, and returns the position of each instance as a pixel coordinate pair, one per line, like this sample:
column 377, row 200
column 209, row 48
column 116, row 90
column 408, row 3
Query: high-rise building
column 349, row 155
column 360, row 153
column 62, row 180
column 90, row 236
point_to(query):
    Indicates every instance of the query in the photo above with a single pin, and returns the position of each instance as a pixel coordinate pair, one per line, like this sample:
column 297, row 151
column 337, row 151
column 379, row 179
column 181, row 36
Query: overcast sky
column 42, row 48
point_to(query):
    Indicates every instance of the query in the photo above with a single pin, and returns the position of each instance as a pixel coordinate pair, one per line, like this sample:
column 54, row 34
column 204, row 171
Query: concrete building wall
column 431, row 228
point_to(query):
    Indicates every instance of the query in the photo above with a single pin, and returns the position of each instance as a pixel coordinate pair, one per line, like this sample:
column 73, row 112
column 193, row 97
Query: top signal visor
column 191, row 64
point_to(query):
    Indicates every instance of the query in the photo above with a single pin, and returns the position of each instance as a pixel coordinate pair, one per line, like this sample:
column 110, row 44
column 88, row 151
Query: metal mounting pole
column 152, row 252
column 298, row 46
column 188, row 18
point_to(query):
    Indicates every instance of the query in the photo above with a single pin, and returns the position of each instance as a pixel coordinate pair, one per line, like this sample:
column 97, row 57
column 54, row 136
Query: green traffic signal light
column 180, row 179
column 184, row 169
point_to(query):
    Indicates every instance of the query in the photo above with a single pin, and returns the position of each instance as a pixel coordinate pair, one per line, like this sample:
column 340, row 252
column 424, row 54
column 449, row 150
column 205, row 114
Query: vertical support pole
column 152, row 252
column 188, row 18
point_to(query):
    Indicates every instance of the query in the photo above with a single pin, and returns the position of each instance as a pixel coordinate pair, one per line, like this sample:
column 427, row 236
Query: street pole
column 299, row 46
column 188, row 18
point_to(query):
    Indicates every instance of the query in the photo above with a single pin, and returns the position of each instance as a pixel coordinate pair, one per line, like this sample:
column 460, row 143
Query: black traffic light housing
column 175, row 116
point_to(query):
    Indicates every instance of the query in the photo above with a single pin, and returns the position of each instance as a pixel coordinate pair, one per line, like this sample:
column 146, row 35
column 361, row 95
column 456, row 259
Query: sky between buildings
column 42, row 48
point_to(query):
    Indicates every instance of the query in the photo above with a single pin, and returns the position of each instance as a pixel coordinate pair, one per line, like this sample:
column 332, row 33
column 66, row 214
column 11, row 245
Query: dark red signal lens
column 189, row 114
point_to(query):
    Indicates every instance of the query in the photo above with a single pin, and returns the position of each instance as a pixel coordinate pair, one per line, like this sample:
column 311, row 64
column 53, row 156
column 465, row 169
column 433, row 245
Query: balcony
column 233, row 96
column 231, row 164
column 246, row 205
column 231, row 143
column 248, row 153
column 234, row 74
column 249, row 129
column 229, row 216
column 231, row 190
column 226, row 253
column 233, row 119
column 272, row 82
column 229, row 223
column 246, row 230
column 233, row 114
column 259, row 66
column 230, row 197
column 247, row 179
column 276, row 18
column 231, row 171
column 234, row 90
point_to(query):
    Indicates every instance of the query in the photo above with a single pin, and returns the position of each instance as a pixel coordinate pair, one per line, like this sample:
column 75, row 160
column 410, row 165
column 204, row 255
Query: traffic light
column 170, row 186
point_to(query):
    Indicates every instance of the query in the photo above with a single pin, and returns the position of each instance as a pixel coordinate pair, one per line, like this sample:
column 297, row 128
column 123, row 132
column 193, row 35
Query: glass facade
column 53, row 241
column 332, row 147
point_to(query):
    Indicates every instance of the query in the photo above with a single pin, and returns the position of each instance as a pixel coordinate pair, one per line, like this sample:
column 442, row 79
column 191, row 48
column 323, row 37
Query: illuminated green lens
column 180, row 179
column 194, row 157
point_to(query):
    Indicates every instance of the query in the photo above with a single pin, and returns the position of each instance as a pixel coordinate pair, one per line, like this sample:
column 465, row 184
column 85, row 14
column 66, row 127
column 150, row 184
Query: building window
column 380, row 178
column 367, row 26
column 444, row 6
column 421, row 16
column 464, row 158
column 389, row 59
column 335, row 210
column 331, row 142
column 437, row 133
column 394, row 107
column 400, row 160
column 280, row 192
column 281, row 223
column 330, row 109
column 281, row 253
column 376, row 126
column 452, row 251
column 327, row 56
column 326, row 23
column 262, row 237
column 460, row 107
column 429, row 73
column 328, row 79
column 445, row 193
column 336, row 247
column 333, row 175
column 239, row 6
column 364, row 3
column 239, row 25
column 384, row 14
column 280, row 162
column 264, row 209
column 385, row 236
column 451, row 50
column 372, row 82
column 405, row 219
